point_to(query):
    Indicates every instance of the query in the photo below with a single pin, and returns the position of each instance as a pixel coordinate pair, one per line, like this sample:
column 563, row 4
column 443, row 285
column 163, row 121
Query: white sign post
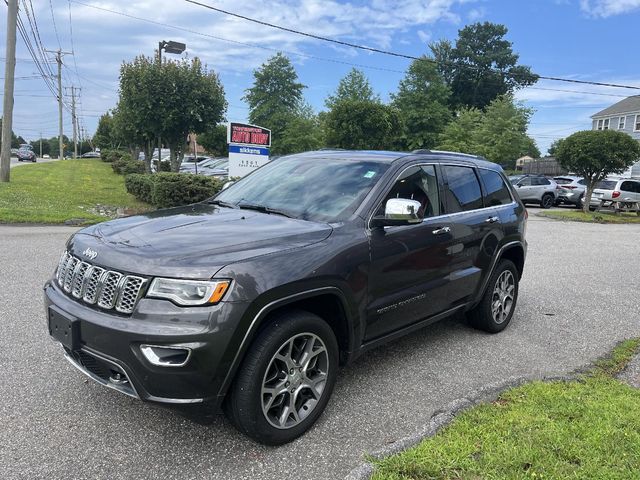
column 248, row 148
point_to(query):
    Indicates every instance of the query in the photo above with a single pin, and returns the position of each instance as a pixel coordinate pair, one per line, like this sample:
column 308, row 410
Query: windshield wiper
column 222, row 203
column 264, row 209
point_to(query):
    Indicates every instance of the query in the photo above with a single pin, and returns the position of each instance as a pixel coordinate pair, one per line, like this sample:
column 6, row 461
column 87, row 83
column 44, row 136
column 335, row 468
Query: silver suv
column 615, row 190
column 571, row 190
column 535, row 189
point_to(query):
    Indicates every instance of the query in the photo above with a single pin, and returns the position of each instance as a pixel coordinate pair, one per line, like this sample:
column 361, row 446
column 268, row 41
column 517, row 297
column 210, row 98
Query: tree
column 594, row 154
column 167, row 101
column 276, row 96
column 353, row 86
column 105, row 136
column 54, row 146
column 362, row 125
column 422, row 101
column 35, row 144
column 214, row 141
column 481, row 66
column 302, row 133
column 15, row 140
column 499, row 133
column 553, row 148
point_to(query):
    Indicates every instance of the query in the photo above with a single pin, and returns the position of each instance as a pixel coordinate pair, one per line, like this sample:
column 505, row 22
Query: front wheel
column 286, row 379
column 495, row 310
column 547, row 201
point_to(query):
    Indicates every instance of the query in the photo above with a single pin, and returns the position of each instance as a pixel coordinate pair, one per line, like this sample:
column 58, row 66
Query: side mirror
column 227, row 185
column 398, row 211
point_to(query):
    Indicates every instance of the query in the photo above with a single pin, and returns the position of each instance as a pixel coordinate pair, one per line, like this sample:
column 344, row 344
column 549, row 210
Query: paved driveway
column 578, row 298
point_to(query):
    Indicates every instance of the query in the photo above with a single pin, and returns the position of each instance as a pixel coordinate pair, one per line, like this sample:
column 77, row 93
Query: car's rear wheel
column 547, row 200
column 286, row 379
column 495, row 310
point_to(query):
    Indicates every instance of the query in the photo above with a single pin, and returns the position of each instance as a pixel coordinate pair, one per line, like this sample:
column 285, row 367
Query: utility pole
column 40, row 144
column 73, row 120
column 59, row 54
column 9, row 72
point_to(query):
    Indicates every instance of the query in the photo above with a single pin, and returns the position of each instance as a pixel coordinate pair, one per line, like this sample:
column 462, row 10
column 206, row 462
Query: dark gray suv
column 253, row 299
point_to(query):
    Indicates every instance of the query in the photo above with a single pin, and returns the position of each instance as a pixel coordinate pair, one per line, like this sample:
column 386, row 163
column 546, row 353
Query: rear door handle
column 441, row 231
column 492, row 220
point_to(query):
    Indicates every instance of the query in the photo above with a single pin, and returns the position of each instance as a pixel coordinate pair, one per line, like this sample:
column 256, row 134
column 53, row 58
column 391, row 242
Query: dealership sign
column 248, row 148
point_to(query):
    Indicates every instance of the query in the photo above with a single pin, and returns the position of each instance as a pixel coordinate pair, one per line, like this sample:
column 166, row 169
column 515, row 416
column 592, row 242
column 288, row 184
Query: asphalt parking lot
column 578, row 297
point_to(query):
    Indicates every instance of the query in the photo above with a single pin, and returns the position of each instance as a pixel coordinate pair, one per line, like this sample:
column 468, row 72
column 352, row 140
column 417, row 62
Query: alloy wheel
column 503, row 296
column 294, row 380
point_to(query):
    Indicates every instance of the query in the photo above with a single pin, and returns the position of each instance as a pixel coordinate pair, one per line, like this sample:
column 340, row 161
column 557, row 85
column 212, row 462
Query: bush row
column 171, row 189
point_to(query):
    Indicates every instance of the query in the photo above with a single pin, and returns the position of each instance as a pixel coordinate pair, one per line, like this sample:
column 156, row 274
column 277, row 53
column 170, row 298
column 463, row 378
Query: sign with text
column 244, row 159
column 248, row 148
column 245, row 134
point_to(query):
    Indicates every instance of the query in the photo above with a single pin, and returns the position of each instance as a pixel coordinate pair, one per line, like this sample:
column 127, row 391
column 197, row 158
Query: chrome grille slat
column 108, row 289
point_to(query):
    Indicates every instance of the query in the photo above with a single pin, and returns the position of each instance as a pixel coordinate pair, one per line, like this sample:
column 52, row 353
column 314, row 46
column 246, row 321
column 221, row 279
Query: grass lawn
column 584, row 429
column 592, row 217
column 58, row 191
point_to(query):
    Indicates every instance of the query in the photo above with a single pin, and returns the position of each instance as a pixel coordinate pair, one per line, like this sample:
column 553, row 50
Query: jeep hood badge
column 90, row 254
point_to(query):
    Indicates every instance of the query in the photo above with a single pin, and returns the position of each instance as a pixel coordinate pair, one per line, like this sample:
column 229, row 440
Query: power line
column 55, row 28
column 385, row 52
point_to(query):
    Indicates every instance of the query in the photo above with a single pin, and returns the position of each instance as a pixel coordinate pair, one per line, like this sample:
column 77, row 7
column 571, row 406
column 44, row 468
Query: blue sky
column 583, row 39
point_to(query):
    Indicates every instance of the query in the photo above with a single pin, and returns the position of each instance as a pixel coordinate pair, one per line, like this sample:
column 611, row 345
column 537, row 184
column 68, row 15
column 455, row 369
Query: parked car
column 535, row 189
column 207, row 163
column 253, row 299
column 615, row 190
column 571, row 190
column 218, row 170
column 26, row 154
column 91, row 155
column 46, row 156
column 190, row 159
column 14, row 152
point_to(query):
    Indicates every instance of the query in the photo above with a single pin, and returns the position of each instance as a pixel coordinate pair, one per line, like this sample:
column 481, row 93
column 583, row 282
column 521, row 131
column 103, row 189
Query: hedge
column 112, row 155
column 171, row 189
column 126, row 165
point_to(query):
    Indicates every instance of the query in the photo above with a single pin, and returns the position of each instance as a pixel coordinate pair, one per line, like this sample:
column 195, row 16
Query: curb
column 445, row 415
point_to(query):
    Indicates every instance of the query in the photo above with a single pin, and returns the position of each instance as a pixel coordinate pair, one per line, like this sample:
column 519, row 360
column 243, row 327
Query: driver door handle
column 492, row 220
column 441, row 231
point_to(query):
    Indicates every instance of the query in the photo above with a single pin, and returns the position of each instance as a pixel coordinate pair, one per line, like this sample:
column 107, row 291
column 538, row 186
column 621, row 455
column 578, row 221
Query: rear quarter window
column 607, row 184
column 463, row 189
column 497, row 192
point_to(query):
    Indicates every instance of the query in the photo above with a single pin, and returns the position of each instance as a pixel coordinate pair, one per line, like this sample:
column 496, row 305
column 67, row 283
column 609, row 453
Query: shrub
column 126, row 165
column 139, row 185
column 165, row 166
column 111, row 155
column 171, row 189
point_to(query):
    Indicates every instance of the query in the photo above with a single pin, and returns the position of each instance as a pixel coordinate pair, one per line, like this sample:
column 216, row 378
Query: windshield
column 317, row 189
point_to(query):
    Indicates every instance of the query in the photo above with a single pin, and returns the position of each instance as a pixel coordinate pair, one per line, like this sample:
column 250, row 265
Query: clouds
column 608, row 8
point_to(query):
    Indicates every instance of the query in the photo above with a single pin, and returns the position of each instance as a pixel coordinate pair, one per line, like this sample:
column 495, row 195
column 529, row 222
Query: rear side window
column 540, row 181
column 607, row 184
column 463, row 192
column 633, row 187
column 496, row 190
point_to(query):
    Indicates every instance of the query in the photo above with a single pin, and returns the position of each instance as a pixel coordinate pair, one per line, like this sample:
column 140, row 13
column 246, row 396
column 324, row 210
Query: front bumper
column 108, row 347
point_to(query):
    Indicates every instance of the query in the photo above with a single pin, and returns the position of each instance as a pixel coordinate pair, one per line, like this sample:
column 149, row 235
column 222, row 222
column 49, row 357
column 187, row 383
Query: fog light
column 166, row 356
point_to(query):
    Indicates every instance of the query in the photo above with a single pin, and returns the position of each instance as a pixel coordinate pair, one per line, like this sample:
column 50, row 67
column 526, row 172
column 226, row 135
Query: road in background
column 14, row 161
column 578, row 298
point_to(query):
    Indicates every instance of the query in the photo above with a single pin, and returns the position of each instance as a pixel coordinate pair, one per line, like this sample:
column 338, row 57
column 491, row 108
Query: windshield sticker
column 370, row 174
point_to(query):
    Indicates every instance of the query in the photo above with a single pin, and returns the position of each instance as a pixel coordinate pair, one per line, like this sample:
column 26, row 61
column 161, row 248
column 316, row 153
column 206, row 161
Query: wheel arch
column 329, row 303
column 514, row 251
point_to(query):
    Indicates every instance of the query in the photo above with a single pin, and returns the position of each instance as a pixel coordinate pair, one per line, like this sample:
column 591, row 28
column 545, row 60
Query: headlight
column 189, row 292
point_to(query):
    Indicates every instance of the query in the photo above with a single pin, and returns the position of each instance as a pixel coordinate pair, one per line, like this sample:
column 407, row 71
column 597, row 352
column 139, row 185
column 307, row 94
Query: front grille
column 107, row 289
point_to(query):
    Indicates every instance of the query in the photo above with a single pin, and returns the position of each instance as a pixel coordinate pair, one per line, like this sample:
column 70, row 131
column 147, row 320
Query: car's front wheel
column 495, row 310
column 286, row 379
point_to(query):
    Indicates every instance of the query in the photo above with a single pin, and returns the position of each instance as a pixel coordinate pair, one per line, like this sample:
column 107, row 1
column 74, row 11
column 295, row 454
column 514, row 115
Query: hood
column 192, row 242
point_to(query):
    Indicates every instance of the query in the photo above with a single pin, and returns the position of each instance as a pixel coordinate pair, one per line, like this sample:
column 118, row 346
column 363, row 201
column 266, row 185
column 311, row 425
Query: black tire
column 482, row 315
column 244, row 404
column 547, row 200
column 580, row 202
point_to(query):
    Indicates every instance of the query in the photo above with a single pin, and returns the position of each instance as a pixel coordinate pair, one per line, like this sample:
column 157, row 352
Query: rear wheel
column 286, row 379
column 495, row 310
column 547, row 200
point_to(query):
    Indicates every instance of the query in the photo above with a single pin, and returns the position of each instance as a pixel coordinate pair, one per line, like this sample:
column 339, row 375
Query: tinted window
column 496, row 190
column 463, row 192
column 582, row 182
column 417, row 183
column 633, row 187
column 525, row 182
column 607, row 184
column 563, row 181
column 540, row 181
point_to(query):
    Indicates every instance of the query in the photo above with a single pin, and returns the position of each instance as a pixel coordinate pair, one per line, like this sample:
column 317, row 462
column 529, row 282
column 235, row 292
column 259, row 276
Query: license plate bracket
column 64, row 328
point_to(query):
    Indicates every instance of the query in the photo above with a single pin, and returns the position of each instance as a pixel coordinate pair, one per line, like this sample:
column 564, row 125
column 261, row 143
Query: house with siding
column 623, row 116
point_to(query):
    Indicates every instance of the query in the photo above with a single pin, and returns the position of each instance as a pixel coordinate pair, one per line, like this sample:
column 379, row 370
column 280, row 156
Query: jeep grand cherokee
column 253, row 299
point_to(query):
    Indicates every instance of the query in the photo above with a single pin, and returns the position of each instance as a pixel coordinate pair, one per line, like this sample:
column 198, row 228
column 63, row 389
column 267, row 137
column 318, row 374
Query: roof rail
column 422, row 150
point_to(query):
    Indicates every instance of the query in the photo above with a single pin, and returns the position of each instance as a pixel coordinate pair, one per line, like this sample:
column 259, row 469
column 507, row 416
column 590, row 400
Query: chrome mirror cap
column 403, row 209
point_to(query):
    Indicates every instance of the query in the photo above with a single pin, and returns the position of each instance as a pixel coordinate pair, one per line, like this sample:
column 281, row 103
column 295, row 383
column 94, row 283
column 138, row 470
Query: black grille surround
column 99, row 287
